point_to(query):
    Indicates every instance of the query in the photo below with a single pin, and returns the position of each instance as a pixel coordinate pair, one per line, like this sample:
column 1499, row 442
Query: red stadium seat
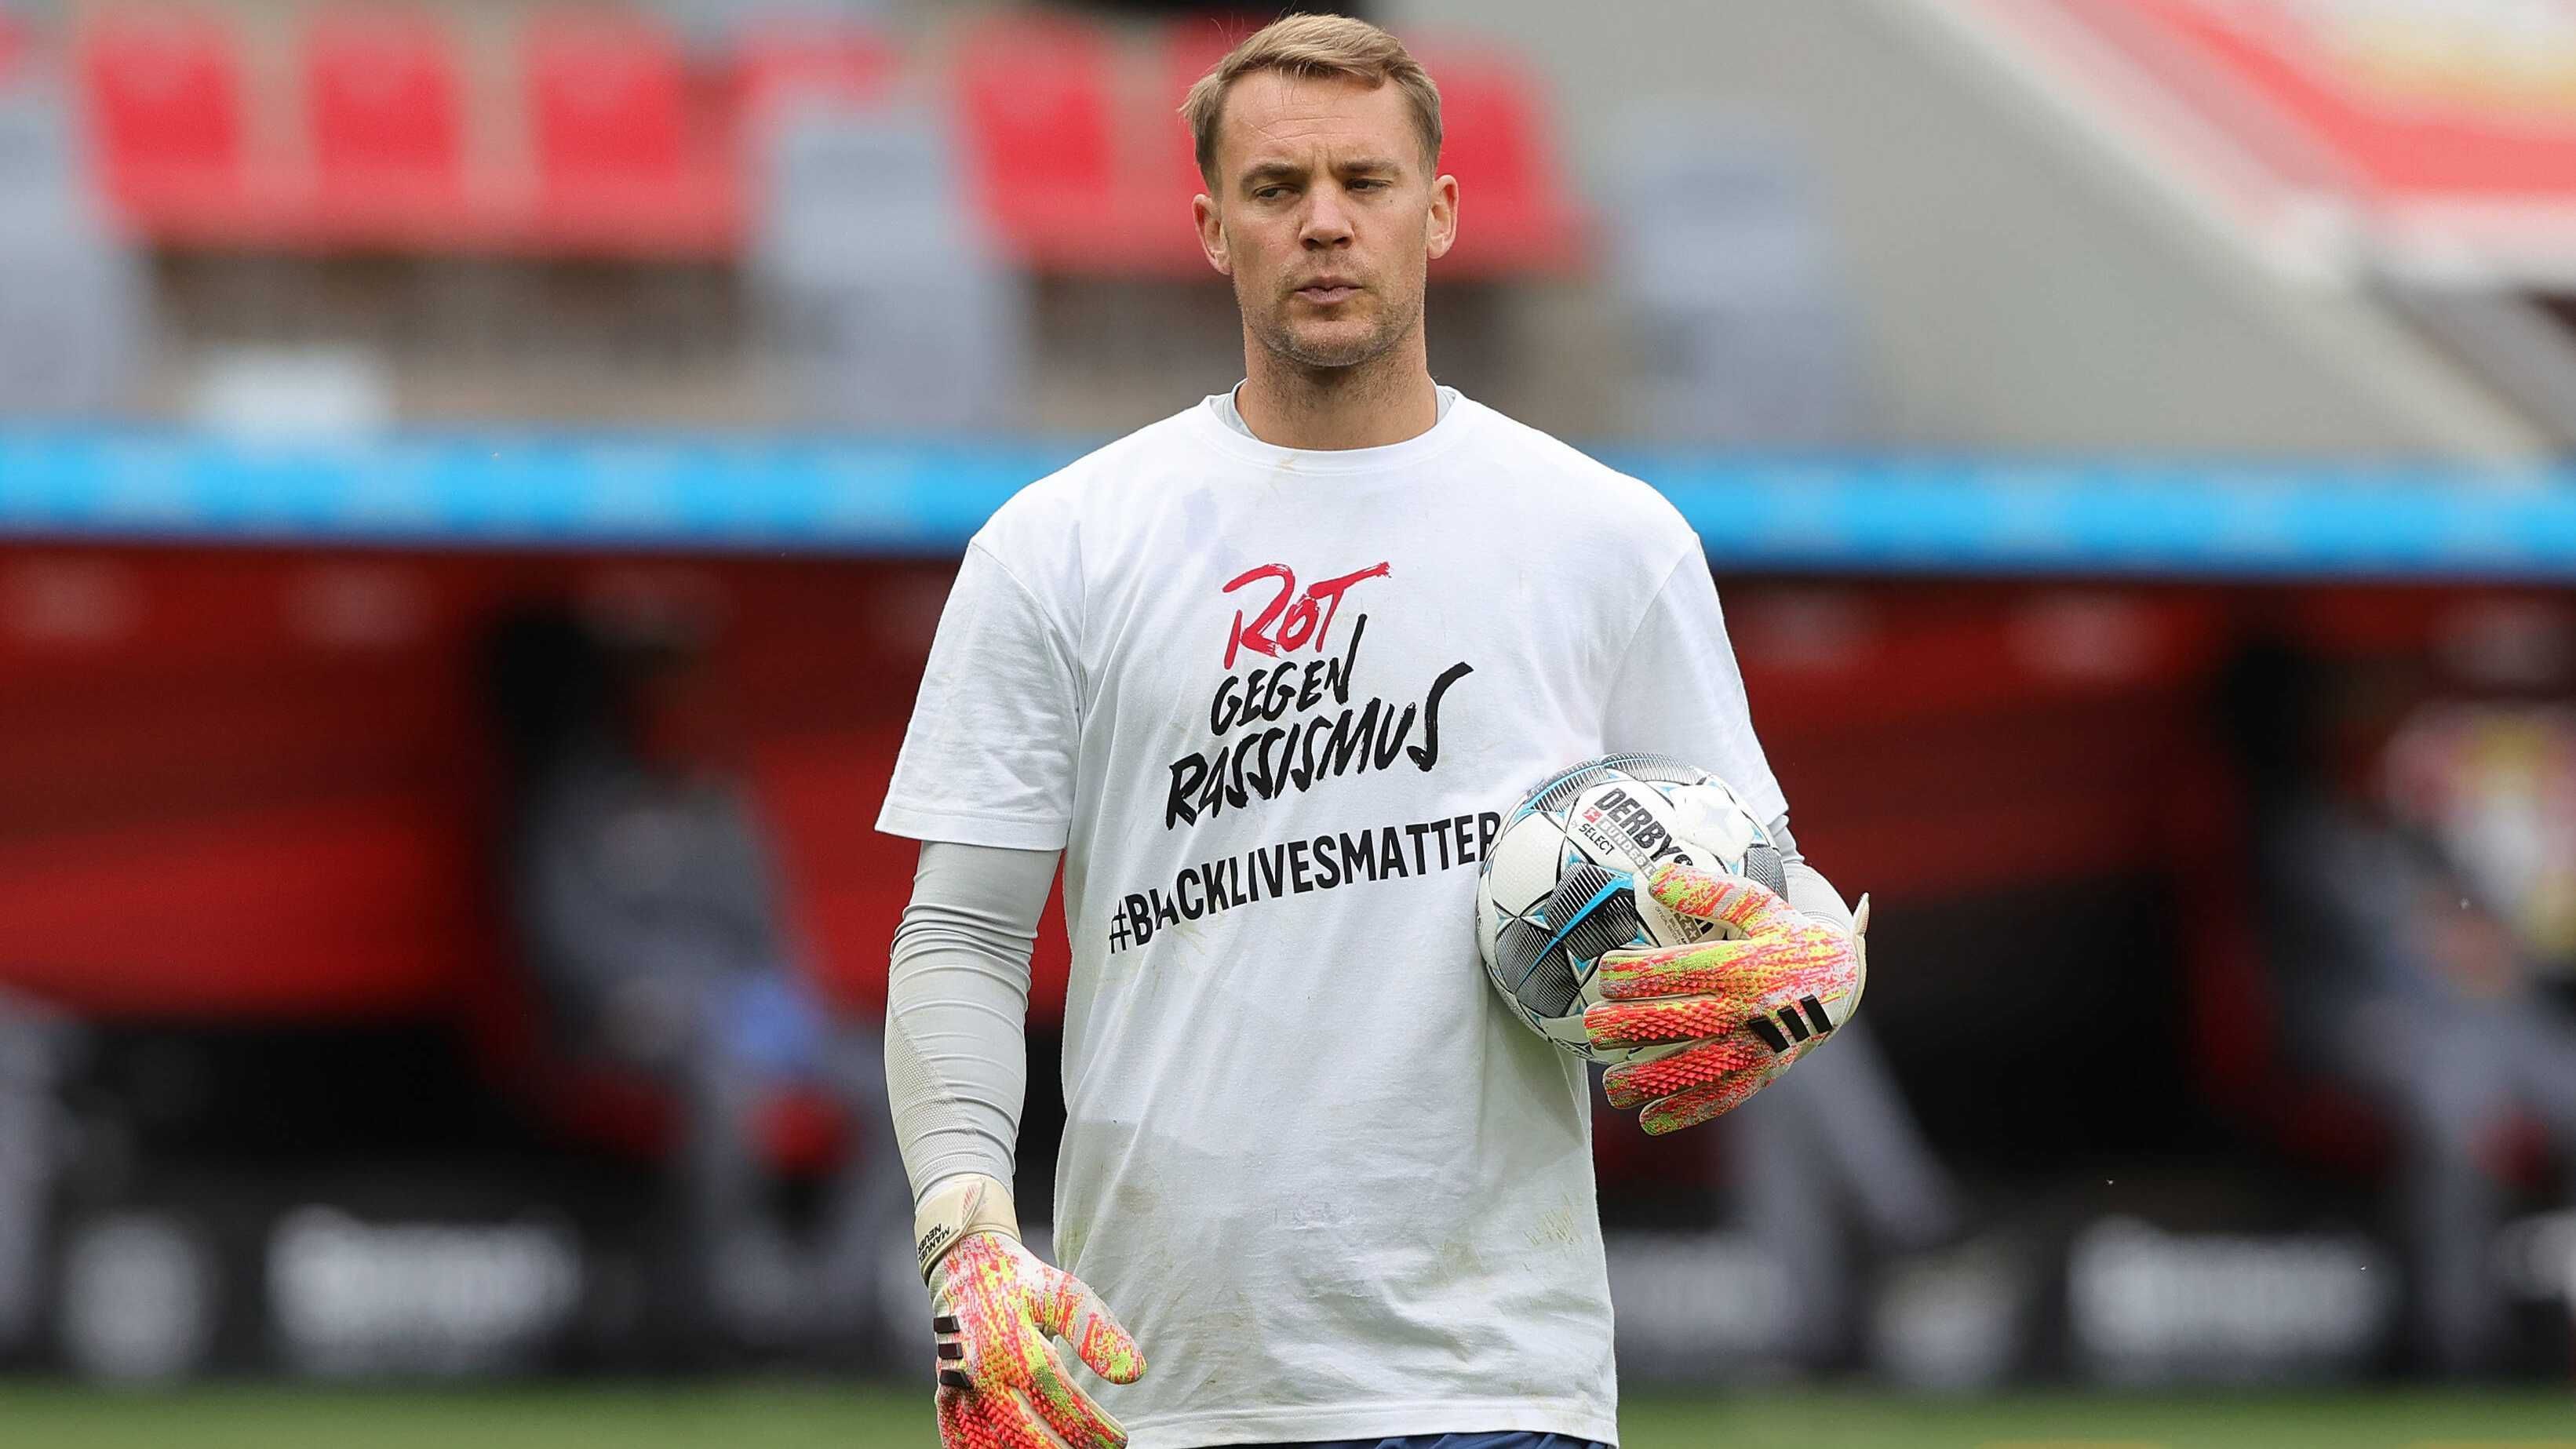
column 1189, row 47
column 1159, row 206
column 163, row 91
column 621, row 165
column 781, row 66
column 17, row 45
column 1495, row 138
column 1035, row 105
column 381, row 97
column 781, row 63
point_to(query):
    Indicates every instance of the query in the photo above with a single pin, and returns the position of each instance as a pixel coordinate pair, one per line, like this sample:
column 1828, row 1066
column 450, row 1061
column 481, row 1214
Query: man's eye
column 1368, row 183
column 1267, row 192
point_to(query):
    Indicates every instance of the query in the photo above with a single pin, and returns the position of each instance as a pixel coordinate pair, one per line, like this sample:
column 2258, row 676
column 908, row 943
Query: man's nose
column 1328, row 220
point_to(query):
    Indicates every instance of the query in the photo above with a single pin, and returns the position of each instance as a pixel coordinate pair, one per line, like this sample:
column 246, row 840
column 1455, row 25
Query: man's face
column 1326, row 215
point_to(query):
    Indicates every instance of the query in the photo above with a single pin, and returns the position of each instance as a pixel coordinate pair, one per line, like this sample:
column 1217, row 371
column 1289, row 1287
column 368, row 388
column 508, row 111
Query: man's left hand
column 1747, row 1003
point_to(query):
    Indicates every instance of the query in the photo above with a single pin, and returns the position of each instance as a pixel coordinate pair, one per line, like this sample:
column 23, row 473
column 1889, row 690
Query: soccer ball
column 1566, row 880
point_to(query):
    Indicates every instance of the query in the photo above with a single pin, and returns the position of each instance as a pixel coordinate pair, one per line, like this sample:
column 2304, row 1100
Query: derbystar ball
column 1566, row 880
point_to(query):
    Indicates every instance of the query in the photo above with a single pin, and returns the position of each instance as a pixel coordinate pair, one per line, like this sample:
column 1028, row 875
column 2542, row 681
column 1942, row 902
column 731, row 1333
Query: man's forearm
column 957, row 997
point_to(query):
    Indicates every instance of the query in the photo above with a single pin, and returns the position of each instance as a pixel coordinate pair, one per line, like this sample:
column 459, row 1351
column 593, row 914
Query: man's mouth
column 1327, row 292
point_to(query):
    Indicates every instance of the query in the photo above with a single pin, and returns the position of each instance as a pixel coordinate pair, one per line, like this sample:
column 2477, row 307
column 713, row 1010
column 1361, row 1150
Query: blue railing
column 1851, row 515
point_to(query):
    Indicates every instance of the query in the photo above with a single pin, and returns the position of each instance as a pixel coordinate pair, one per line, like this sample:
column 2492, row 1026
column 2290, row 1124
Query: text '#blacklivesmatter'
column 1324, row 862
column 1294, row 724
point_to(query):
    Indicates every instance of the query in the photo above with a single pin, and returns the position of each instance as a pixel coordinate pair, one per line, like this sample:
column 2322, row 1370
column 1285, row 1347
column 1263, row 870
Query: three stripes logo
column 1795, row 1023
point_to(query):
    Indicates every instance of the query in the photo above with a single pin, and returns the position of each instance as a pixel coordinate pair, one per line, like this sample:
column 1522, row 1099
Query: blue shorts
column 1513, row 1440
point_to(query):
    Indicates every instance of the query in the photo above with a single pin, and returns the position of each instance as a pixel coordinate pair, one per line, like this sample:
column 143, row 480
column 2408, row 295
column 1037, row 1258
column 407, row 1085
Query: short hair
column 1311, row 47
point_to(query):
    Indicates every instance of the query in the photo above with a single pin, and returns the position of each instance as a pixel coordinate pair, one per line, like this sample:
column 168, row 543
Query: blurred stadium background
column 2130, row 436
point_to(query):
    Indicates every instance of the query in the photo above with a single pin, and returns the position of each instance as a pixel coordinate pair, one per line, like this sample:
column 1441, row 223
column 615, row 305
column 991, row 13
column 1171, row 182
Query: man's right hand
column 995, row 1307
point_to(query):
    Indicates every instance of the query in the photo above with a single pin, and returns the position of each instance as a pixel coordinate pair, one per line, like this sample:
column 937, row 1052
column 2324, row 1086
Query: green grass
column 805, row 1416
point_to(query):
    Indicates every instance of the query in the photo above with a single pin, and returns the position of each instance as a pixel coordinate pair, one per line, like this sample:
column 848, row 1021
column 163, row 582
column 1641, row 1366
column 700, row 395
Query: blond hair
column 1313, row 47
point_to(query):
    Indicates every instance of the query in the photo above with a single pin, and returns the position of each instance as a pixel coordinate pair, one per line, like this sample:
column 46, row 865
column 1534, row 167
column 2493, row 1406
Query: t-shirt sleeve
column 1677, row 690
column 989, row 756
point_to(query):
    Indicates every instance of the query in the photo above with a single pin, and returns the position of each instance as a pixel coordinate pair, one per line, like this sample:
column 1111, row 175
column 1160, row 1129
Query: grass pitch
column 807, row 1416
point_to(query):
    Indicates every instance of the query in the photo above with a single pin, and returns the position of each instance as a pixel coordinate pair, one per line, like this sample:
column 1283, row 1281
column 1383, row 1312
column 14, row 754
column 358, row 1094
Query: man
column 1264, row 673
column 642, row 888
column 2381, row 929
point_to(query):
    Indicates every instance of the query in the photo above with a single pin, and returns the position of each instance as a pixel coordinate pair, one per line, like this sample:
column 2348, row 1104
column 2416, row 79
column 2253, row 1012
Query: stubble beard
column 1343, row 353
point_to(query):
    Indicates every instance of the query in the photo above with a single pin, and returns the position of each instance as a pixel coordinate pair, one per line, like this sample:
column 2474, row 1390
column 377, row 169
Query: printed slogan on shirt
column 1295, row 718
column 1313, row 732
column 1302, row 867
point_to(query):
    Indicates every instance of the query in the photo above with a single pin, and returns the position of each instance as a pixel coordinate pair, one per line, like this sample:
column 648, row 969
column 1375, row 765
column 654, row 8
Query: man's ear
column 1211, row 233
column 1443, row 232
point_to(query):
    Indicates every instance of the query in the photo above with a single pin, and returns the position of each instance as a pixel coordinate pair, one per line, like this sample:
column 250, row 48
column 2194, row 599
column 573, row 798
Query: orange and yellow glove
column 1745, row 1004
column 994, row 1308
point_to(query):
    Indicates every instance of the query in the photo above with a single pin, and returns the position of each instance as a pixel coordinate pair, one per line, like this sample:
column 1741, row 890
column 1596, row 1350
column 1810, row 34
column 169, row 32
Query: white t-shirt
column 1272, row 704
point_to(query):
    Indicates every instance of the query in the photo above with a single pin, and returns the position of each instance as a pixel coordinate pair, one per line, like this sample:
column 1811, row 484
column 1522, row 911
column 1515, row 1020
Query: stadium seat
column 1729, row 286
column 1034, row 99
column 163, row 92
column 73, row 304
column 1495, row 138
column 17, row 45
column 381, row 97
column 779, row 67
column 780, row 62
column 621, row 165
column 879, row 283
column 1158, row 202
column 45, row 182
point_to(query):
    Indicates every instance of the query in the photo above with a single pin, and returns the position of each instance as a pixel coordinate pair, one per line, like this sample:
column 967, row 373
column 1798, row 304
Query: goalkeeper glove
column 994, row 1307
column 1747, row 1002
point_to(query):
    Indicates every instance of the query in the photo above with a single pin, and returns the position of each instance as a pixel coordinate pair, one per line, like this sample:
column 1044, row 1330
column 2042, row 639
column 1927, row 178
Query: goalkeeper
column 1253, row 676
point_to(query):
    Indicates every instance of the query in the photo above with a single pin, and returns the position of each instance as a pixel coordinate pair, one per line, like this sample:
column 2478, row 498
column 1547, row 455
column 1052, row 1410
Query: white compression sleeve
column 1809, row 891
column 957, row 1004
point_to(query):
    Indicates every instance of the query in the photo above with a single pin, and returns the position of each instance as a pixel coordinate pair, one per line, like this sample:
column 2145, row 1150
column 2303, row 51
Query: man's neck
column 1388, row 400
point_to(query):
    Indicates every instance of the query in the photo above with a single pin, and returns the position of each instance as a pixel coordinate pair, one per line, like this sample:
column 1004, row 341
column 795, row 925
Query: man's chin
column 1344, row 345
